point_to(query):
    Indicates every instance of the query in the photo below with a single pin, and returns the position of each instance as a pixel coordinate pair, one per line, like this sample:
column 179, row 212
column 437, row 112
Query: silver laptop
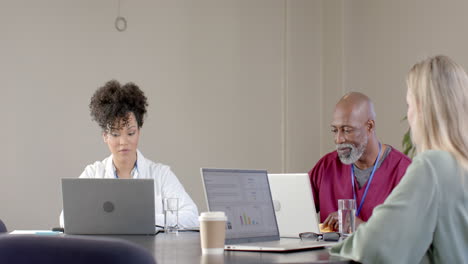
column 108, row 206
column 244, row 195
column 294, row 204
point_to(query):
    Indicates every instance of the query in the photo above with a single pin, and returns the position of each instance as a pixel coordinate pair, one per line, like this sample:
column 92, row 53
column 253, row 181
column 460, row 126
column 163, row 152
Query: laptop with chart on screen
column 244, row 195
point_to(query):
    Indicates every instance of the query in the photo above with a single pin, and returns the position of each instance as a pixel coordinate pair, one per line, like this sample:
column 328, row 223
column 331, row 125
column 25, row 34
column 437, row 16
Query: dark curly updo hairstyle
column 112, row 103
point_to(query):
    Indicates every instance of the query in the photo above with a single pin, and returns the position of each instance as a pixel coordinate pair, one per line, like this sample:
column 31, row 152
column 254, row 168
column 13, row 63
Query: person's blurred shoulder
column 95, row 170
column 157, row 169
column 437, row 158
column 395, row 153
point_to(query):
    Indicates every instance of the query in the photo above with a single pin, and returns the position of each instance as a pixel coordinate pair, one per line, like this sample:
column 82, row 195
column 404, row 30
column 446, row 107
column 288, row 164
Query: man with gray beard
column 360, row 168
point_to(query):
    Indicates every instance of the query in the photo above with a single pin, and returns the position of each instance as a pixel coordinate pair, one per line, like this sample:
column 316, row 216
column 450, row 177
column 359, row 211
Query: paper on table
column 34, row 232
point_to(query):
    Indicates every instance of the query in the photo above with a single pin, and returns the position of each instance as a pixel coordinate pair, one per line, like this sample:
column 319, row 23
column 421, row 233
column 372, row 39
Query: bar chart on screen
column 245, row 199
column 252, row 218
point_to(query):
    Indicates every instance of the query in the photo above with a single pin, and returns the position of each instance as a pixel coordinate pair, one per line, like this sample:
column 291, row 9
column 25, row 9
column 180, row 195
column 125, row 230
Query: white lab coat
column 166, row 184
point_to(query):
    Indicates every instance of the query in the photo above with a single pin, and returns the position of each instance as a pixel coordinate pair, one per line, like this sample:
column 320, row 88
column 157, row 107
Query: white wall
column 229, row 84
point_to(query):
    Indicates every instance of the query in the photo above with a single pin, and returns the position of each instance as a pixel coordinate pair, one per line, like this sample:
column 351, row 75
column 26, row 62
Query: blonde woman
column 425, row 218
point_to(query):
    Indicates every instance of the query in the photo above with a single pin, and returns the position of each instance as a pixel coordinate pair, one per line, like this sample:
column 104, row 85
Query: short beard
column 355, row 153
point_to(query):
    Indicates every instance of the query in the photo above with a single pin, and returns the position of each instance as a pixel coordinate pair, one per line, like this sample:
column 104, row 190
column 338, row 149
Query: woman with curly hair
column 119, row 111
column 425, row 218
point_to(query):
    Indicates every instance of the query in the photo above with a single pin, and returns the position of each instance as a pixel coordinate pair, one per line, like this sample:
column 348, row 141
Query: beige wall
column 303, row 84
column 333, row 87
column 383, row 39
column 231, row 83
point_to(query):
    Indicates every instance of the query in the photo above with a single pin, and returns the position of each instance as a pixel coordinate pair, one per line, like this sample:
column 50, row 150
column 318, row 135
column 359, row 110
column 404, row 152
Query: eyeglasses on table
column 330, row 236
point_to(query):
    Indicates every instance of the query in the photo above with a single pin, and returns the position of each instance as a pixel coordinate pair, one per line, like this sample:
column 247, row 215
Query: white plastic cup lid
column 212, row 216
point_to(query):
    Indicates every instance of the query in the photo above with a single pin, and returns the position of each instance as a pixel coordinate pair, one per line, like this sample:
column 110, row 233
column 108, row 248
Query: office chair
column 24, row 249
column 2, row 227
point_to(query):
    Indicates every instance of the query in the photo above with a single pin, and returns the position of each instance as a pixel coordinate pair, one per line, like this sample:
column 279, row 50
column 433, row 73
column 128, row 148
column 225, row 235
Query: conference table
column 185, row 248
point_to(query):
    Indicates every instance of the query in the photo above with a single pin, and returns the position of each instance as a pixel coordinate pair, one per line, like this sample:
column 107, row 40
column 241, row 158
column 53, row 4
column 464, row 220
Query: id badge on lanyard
column 368, row 183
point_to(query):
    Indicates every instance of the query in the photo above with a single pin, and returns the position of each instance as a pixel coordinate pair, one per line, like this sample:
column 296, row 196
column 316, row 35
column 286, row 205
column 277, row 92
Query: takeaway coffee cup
column 212, row 232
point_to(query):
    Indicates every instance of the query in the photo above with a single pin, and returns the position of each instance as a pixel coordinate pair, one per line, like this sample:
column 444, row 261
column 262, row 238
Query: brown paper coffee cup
column 212, row 232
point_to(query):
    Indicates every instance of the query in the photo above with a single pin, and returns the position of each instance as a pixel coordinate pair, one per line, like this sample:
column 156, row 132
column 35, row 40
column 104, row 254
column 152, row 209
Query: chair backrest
column 2, row 227
column 72, row 250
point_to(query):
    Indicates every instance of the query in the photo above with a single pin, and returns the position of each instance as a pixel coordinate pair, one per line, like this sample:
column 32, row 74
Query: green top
column 424, row 219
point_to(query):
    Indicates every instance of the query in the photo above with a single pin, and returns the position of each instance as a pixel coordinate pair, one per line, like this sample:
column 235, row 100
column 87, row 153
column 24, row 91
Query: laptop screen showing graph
column 244, row 195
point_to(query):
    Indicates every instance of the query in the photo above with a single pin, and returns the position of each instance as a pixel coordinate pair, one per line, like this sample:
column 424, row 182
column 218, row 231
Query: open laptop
column 108, row 206
column 244, row 195
column 294, row 204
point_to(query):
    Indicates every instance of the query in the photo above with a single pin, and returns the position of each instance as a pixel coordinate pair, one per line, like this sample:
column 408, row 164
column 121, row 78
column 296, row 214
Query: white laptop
column 108, row 206
column 294, row 205
column 244, row 195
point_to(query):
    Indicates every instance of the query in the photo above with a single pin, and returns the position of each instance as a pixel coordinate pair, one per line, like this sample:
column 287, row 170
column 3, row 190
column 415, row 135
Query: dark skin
column 353, row 120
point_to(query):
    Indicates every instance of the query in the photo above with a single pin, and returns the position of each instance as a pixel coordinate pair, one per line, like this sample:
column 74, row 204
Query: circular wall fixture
column 120, row 24
column 108, row 207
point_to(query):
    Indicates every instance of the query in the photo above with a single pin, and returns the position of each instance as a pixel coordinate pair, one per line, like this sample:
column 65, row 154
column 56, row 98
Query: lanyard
column 368, row 182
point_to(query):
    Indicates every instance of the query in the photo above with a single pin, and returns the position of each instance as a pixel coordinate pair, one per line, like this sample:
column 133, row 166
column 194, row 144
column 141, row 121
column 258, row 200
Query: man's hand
column 332, row 221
